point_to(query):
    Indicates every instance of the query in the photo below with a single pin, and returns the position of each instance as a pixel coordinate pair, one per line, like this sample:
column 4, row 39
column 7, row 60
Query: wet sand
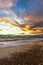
column 30, row 54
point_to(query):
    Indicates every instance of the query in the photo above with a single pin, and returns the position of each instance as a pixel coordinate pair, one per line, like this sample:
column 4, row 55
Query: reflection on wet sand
column 18, row 42
column 30, row 54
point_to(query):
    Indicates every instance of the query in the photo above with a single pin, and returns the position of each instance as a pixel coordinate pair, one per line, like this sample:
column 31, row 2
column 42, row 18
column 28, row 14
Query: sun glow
column 7, row 27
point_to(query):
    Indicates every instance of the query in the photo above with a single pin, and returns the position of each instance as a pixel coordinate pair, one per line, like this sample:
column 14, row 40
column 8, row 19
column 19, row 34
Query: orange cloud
column 33, row 18
column 33, row 31
column 37, row 31
column 27, row 28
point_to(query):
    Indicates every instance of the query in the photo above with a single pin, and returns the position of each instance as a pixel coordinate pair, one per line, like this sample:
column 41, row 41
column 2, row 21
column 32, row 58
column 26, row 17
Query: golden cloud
column 33, row 31
column 33, row 18
column 37, row 31
column 26, row 28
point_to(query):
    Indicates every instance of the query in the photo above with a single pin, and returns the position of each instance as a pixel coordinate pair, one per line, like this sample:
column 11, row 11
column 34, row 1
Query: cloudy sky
column 19, row 17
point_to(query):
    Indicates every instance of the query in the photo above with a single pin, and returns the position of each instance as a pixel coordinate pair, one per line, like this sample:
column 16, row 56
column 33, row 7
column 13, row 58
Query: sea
column 19, row 42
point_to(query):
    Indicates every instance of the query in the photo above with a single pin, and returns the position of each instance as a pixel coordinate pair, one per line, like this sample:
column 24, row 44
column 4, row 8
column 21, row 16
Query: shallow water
column 19, row 42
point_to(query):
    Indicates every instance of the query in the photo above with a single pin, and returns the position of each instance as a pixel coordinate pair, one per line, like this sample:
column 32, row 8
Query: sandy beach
column 30, row 54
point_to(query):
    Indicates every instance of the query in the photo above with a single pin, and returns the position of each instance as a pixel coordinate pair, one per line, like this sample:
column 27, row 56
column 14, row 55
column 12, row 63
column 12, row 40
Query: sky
column 21, row 17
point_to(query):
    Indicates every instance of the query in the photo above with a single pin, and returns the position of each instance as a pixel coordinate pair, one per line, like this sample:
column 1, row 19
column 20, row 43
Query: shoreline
column 6, row 52
column 31, row 54
column 7, row 44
